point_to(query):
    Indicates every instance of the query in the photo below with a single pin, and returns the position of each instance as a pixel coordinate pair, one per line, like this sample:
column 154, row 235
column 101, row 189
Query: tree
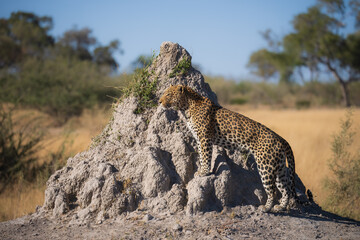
column 10, row 52
column 318, row 36
column 269, row 63
column 262, row 65
column 60, row 78
column 103, row 55
column 77, row 43
column 22, row 35
column 266, row 64
column 317, row 42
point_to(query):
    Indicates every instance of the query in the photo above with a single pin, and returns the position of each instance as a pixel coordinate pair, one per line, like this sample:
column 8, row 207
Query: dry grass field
column 309, row 132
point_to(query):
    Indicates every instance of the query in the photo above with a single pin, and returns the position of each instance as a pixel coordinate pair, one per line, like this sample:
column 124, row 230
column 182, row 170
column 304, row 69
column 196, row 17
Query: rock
column 177, row 227
column 147, row 217
column 148, row 161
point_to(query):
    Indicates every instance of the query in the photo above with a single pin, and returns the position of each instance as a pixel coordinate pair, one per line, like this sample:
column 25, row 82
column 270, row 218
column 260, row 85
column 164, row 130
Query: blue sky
column 220, row 35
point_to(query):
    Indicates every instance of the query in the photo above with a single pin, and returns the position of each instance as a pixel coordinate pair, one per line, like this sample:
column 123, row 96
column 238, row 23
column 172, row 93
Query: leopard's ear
column 181, row 89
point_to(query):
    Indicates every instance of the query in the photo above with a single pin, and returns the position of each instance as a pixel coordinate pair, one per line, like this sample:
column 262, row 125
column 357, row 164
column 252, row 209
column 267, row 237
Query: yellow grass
column 309, row 132
column 76, row 133
column 20, row 199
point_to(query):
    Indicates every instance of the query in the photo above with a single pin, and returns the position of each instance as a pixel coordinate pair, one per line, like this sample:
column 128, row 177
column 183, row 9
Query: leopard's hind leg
column 282, row 184
column 267, row 176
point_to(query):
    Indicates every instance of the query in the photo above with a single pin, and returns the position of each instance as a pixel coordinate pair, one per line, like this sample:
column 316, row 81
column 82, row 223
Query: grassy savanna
column 309, row 132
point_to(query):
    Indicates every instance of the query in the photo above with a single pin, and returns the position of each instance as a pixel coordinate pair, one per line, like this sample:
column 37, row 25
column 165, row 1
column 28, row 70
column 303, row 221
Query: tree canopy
column 317, row 42
column 60, row 76
column 23, row 34
column 26, row 35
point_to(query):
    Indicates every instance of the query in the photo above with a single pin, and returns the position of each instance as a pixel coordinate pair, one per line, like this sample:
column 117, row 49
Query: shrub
column 181, row 68
column 302, row 104
column 20, row 141
column 18, row 144
column 224, row 89
column 301, row 96
column 344, row 187
column 61, row 87
column 238, row 101
column 53, row 162
column 142, row 88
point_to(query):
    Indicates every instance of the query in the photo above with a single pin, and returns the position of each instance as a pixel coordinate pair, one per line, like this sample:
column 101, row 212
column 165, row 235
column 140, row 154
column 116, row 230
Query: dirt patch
column 234, row 223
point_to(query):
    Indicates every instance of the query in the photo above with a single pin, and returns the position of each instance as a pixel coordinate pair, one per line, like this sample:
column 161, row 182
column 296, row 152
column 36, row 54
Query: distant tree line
column 299, row 95
column 60, row 76
column 317, row 44
column 64, row 75
column 26, row 35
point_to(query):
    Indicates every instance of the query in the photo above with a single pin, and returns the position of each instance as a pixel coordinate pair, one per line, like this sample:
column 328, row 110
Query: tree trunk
column 345, row 93
column 343, row 84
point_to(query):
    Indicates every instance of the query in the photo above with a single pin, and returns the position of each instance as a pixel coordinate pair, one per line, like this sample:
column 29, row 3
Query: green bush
column 224, row 89
column 344, row 187
column 303, row 104
column 142, row 88
column 181, row 68
column 320, row 93
column 238, row 101
column 61, row 87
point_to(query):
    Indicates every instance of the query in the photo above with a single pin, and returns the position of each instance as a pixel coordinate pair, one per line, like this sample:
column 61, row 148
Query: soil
column 241, row 222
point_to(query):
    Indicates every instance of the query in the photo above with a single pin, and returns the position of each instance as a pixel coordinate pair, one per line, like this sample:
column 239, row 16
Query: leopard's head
column 175, row 96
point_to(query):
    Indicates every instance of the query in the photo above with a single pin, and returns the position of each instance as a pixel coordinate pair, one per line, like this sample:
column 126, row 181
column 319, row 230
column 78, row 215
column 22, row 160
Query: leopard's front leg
column 205, row 146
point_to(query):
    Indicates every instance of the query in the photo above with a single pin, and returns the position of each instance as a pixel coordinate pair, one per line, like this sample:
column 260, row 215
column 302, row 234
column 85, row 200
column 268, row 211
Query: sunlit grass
column 20, row 199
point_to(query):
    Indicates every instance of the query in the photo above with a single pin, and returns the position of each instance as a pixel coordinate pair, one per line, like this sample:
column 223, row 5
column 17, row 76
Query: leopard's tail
column 291, row 164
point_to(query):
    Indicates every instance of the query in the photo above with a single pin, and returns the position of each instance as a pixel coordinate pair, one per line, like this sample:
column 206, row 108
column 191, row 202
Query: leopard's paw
column 278, row 208
column 201, row 174
column 264, row 209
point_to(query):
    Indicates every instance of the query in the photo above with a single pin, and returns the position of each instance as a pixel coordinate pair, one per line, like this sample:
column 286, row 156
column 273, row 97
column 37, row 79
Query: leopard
column 211, row 124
